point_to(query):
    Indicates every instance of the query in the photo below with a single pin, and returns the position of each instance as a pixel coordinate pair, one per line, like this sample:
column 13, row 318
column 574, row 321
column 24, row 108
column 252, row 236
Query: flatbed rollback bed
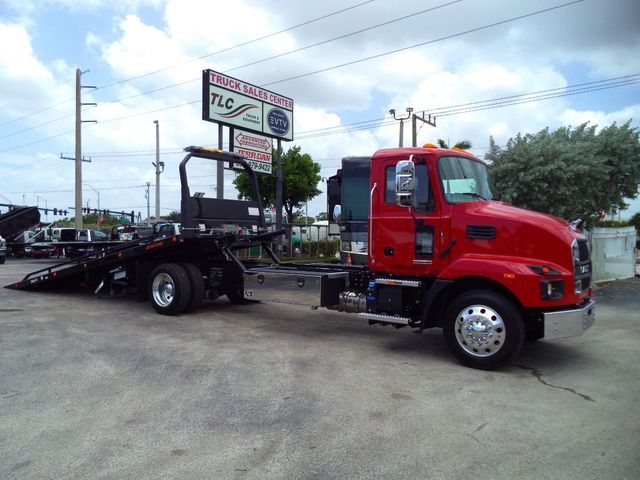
column 176, row 273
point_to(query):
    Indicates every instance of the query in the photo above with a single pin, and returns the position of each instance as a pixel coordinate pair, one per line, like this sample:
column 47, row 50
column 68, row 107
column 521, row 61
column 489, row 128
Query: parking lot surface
column 104, row 388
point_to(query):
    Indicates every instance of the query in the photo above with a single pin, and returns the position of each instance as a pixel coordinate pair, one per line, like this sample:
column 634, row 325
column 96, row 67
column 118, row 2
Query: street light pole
column 402, row 119
column 158, row 164
column 97, row 193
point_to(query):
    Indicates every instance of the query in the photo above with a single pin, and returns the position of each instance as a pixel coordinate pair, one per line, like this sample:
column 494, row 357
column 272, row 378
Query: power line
column 502, row 22
column 421, row 44
column 362, row 30
column 447, row 110
column 264, row 37
column 36, row 112
column 323, row 42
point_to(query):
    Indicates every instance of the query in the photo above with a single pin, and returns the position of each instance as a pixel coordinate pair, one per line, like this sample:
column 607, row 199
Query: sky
column 481, row 67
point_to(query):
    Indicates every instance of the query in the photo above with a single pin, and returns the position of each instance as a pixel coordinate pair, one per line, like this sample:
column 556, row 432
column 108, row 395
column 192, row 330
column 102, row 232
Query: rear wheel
column 483, row 329
column 196, row 282
column 169, row 289
column 237, row 297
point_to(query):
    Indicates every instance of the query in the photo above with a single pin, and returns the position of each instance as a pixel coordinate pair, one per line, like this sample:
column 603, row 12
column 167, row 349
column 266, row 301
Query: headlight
column 575, row 252
column 551, row 289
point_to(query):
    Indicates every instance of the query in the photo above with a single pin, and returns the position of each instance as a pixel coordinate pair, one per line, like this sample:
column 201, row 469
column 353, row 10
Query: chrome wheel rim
column 163, row 289
column 480, row 331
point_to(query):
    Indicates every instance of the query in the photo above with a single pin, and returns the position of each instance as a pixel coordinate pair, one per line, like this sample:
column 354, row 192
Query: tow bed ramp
column 18, row 220
column 104, row 262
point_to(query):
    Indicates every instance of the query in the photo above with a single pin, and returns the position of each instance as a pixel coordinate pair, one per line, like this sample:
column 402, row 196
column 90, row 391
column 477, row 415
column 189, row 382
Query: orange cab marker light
column 509, row 276
column 429, row 145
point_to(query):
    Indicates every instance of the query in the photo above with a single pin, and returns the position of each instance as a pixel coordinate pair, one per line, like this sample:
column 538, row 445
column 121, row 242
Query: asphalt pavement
column 104, row 388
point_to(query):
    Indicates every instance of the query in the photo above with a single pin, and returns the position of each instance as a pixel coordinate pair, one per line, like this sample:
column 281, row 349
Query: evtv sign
column 235, row 103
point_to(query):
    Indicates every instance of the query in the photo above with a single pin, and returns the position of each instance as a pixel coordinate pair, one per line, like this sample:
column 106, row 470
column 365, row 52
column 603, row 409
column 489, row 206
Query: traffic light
column 55, row 211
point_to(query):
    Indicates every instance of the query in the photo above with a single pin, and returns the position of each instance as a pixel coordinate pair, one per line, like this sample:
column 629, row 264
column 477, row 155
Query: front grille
column 582, row 266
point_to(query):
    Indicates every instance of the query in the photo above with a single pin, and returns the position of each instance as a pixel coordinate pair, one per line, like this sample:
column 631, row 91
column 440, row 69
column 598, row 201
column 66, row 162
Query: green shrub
column 325, row 248
column 613, row 224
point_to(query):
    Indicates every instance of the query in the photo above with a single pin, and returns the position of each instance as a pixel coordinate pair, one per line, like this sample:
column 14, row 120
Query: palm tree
column 462, row 144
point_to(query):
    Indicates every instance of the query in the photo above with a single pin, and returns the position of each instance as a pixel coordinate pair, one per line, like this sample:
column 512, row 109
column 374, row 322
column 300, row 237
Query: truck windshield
column 463, row 180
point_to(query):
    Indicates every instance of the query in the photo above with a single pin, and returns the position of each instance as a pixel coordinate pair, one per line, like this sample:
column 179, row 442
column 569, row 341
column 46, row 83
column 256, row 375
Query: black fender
column 429, row 298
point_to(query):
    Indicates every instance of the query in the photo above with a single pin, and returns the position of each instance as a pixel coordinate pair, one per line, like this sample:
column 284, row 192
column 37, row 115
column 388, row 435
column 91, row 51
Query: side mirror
column 405, row 183
column 337, row 213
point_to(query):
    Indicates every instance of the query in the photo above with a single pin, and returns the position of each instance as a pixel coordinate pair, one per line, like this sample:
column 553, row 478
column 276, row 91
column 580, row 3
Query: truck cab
column 433, row 223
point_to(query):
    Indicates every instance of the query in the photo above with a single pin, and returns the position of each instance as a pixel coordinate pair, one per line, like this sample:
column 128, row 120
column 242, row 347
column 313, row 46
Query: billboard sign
column 257, row 150
column 237, row 104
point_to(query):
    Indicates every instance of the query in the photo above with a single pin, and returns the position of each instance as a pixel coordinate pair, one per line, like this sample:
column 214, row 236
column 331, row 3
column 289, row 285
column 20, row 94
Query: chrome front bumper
column 569, row 323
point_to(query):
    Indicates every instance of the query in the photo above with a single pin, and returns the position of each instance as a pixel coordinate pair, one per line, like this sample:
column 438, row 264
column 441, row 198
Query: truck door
column 402, row 239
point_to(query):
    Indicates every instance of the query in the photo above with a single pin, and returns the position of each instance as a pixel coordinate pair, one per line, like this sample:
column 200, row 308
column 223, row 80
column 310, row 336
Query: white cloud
column 534, row 54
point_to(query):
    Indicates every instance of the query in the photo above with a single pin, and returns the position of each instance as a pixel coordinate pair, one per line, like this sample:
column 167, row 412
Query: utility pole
column 414, row 131
column 158, row 164
column 78, row 156
column 147, row 195
column 402, row 119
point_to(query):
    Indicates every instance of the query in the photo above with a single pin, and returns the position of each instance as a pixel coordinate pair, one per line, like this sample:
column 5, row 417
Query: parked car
column 130, row 232
column 3, row 250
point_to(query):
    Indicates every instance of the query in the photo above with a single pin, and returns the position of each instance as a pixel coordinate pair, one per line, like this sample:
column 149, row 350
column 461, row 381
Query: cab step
column 377, row 317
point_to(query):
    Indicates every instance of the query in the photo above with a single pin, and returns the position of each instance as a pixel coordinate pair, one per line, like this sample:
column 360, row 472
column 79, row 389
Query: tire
column 237, row 297
column 483, row 329
column 2, row 259
column 196, row 290
column 169, row 289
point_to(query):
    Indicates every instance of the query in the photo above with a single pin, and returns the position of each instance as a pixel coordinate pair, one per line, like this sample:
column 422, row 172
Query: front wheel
column 483, row 329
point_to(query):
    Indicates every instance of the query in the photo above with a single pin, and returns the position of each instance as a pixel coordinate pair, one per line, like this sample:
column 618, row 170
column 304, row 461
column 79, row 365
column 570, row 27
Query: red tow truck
column 440, row 253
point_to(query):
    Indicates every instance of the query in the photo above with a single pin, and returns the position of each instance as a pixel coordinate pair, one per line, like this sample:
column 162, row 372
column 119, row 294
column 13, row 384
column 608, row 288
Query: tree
column 174, row 217
column 322, row 216
column 299, row 183
column 571, row 172
column 462, row 144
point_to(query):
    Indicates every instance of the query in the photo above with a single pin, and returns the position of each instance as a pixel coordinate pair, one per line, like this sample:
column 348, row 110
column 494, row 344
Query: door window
column 423, row 202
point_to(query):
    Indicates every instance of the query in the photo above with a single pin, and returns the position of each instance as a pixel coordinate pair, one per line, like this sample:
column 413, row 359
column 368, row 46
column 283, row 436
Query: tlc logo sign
column 246, row 111
column 219, row 101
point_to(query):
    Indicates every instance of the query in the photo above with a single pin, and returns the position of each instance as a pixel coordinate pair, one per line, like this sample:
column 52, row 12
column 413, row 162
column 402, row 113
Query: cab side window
column 424, row 201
